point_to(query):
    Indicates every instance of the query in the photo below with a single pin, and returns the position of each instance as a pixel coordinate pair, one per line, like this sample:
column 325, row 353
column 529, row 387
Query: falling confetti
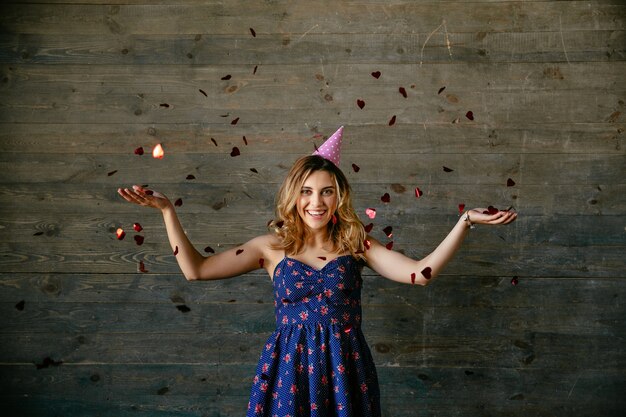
column 469, row 115
column 360, row 103
column 456, row 121
column 183, row 309
column 235, row 152
column 385, row 198
column 371, row 212
column 254, row 170
column 245, row 141
column 142, row 267
column 347, row 328
column 209, row 249
column 402, row 91
column 139, row 151
column 461, row 208
column 158, row 152
column 138, row 239
column 280, row 224
column 388, row 231
column 355, row 168
column 412, row 277
column 261, row 262
column 226, row 77
column 376, row 74
column 369, row 227
column 111, row 173
column 176, row 251
column 202, row 91
column 37, row 233
column 191, row 177
column 389, row 245
column 138, row 228
column 426, row 272
column 47, row 362
column 239, row 251
column 441, row 89
column 178, row 202
column 323, row 258
column 491, row 210
column 20, row 306
column 214, row 142
column 253, row 32
column 164, row 105
column 510, row 182
column 120, row 233
column 148, row 192
column 514, row 281
column 367, row 244
column 392, row 121
column 255, row 67
column 446, row 169
column 418, row 192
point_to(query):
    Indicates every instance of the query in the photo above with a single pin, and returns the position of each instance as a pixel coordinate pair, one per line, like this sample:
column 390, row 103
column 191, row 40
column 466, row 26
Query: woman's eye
column 328, row 192
column 305, row 192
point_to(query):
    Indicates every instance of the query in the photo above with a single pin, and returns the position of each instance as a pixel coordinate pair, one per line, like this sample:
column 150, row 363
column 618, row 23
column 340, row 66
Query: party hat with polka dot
column 331, row 149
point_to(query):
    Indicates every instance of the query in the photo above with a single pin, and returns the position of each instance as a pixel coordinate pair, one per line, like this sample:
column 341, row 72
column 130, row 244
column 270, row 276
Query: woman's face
column 317, row 200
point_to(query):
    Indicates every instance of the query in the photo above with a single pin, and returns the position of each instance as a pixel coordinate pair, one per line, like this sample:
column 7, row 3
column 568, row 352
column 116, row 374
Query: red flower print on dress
column 363, row 388
column 323, row 347
column 323, row 310
column 328, row 292
column 287, row 358
column 298, row 284
column 339, row 406
column 264, row 387
column 293, row 389
column 258, row 409
column 285, row 320
column 313, row 406
column 304, row 315
column 324, row 380
column 266, row 366
column 299, row 348
column 300, row 368
column 341, row 368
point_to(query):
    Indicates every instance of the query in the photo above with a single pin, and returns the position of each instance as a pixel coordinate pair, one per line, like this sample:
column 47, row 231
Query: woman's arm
column 195, row 266
column 398, row 267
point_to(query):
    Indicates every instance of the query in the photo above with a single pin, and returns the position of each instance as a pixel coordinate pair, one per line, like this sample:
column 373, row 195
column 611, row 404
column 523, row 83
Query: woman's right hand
column 141, row 196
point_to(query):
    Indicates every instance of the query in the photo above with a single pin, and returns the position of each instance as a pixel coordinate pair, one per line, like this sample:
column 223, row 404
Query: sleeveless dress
column 317, row 362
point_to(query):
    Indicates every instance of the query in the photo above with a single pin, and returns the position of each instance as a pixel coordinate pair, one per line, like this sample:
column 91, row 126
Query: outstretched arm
column 398, row 267
column 230, row 263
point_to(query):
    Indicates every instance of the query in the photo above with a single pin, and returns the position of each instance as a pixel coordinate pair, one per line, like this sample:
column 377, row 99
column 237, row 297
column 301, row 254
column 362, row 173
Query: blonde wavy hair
column 347, row 234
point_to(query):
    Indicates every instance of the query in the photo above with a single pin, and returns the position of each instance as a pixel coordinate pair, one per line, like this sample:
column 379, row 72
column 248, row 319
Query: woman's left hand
column 480, row 216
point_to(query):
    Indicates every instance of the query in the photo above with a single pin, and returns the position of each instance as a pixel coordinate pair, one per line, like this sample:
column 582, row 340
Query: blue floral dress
column 317, row 362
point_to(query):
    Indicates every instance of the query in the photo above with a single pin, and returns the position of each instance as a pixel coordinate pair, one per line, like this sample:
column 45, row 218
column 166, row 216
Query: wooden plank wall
column 83, row 83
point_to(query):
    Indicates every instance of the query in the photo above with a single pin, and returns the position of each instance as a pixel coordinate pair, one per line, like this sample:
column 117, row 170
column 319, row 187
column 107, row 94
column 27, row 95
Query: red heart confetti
column 514, row 281
column 138, row 240
column 360, row 103
column 355, row 168
column 226, row 77
column 369, row 227
column 158, row 152
column 261, row 262
column 255, row 67
column 402, row 91
column 376, row 74
column 148, row 192
column 191, row 177
column 239, row 251
column 469, row 115
column 280, row 224
column 214, row 142
column 253, row 32
column 234, row 121
column 385, row 198
column 183, row 309
column 347, row 328
column 20, row 306
column 137, row 227
column 323, row 258
column 209, row 249
column 235, row 152
column 245, row 141
column 441, row 89
column 164, row 105
column 120, row 233
column 142, row 267
column 139, row 151
column 461, row 208
column 426, row 272
column 510, row 182
column 176, row 251
column 178, row 202
column 111, row 173
column 371, row 212
column 446, row 169
column 202, row 91
column 418, row 192
column 388, row 231
column 389, row 245
column 367, row 244
column 412, row 277
column 491, row 210
column 392, row 121
column 37, row 233
column 254, row 170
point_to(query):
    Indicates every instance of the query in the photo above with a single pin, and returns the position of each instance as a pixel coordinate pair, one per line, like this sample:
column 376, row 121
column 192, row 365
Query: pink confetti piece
column 426, row 272
column 385, row 198
column 235, row 152
column 158, row 151
column 376, row 74
column 392, row 121
column 356, row 168
column 418, row 192
column 402, row 91
column 510, row 182
column 139, row 151
column 469, row 115
column 360, row 103
column 371, row 212
column 120, row 233
column 514, row 281
column 461, row 208
column 347, row 328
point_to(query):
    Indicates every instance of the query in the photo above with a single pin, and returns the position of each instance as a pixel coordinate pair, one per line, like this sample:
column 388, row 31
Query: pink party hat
column 331, row 149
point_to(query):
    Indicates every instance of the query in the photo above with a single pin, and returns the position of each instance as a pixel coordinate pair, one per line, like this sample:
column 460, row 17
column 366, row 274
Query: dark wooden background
column 83, row 83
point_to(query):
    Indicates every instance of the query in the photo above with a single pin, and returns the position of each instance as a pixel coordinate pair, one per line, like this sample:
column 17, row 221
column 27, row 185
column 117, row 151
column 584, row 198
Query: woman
column 317, row 362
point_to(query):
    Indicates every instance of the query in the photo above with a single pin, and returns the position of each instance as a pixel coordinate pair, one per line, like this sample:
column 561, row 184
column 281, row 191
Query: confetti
column 20, row 306
column 355, row 168
column 48, row 362
column 226, row 77
column 209, row 249
column 254, row 170
column 255, row 67
column 418, row 192
column 183, row 308
column 261, row 262
column 456, row 121
column 389, row 245
column 469, row 115
column 441, row 89
column 239, row 251
column 402, row 91
column 347, row 328
column 111, row 173
column 388, row 231
column 148, row 192
column 360, row 103
column 164, row 105
column 176, row 251
column 137, row 227
column 461, row 208
column 371, row 212
column 514, row 281
column 234, row 121
column 142, row 267
column 367, row 244
column 323, row 258
column 245, row 140
column 392, row 121
column 253, row 32
column 426, row 272
column 510, row 182
column 376, row 74
column 191, row 177
column 202, row 91
column 235, row 152
column 178, row 202
column 280, row 224
column 369, row 227
column 491, row 210
column 37, row 233
column 334, row 219
column 138, row 239
column 120, row 233
column 158, row 152
column 412, row 277
column 385, row 198
column 139, row 151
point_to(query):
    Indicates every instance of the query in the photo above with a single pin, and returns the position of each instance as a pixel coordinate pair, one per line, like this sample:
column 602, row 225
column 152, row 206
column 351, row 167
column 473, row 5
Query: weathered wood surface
column 84, row 83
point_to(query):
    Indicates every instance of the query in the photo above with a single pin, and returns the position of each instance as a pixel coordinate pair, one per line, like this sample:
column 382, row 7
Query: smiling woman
column 317, row 358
